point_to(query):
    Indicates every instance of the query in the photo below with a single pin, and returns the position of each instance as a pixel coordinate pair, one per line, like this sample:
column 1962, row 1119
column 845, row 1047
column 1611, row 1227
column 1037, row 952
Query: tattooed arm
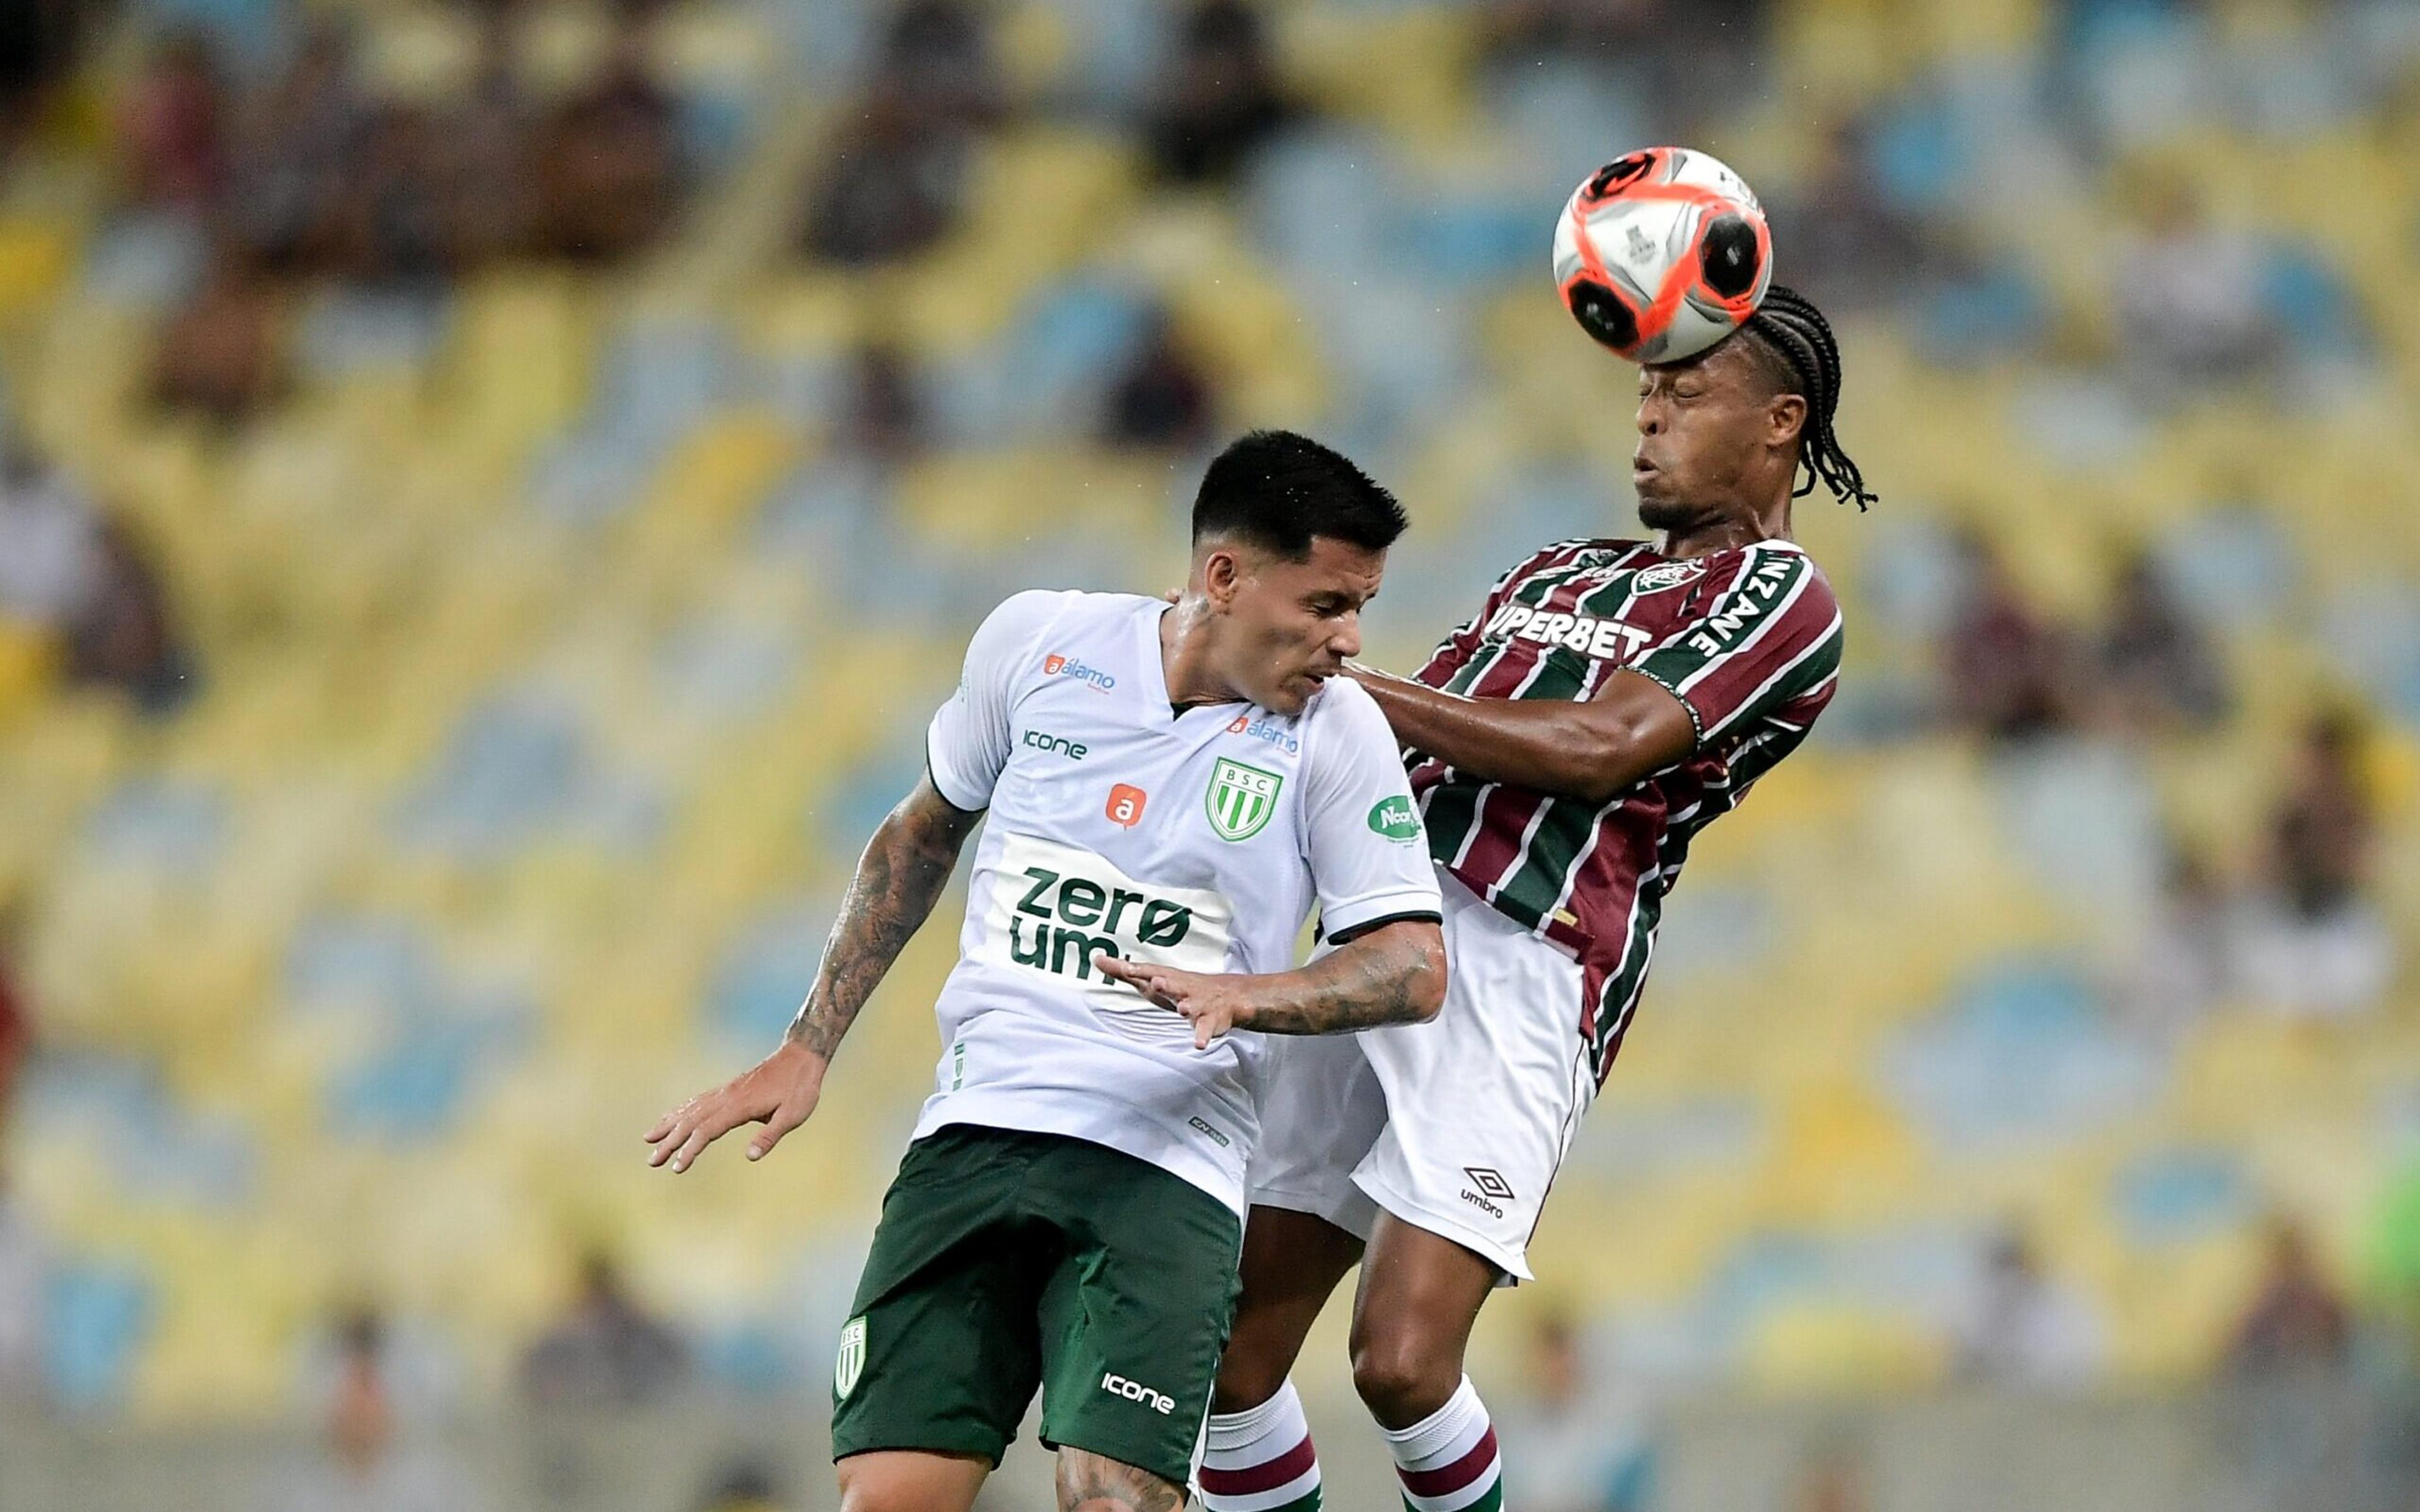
column 899, row 878
column 1392, row 972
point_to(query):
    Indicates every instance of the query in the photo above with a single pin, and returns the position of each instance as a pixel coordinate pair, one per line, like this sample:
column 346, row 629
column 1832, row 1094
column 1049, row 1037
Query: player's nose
column 1347, row 641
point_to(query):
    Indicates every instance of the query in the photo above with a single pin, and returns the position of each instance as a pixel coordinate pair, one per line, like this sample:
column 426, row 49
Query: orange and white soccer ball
column 1662, row 253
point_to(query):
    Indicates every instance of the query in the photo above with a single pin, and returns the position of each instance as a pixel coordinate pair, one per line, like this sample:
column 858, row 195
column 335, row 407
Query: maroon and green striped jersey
column 1748, row 639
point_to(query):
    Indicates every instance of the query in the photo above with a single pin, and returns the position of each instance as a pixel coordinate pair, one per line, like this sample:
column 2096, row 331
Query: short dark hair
column 1278, row 490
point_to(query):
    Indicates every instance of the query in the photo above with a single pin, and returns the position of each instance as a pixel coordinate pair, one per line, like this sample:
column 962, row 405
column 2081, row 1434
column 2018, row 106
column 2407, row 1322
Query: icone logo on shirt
column 1055, row 665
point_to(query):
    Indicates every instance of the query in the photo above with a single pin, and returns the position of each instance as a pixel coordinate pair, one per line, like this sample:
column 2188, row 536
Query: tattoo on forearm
column 1358, row 986
column 898, row 880
column 1090, row 1482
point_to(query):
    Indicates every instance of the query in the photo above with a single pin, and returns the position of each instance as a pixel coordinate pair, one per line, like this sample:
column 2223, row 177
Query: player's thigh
column 1483, row 1102
column 910, row 1480
column 1094, row 1483
column 1321, row 1110
column 942, row 1349
column 1135, row 1317
column 1291, row 1263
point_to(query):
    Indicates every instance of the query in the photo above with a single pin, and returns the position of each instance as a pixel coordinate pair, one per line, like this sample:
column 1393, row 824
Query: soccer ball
column 1662, row 253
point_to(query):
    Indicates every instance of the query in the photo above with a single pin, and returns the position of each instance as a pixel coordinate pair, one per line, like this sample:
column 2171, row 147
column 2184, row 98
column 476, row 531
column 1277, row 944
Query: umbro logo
column 1489, row 1182
column 1493, row 1192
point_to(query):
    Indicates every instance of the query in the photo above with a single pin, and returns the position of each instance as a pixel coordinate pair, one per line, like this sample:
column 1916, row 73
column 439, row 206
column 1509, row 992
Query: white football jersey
column 1118, row 825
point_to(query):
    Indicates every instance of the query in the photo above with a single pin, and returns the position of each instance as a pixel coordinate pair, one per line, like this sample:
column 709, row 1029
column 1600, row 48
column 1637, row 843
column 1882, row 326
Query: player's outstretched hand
column 1213, row 1003
column 779, row 1092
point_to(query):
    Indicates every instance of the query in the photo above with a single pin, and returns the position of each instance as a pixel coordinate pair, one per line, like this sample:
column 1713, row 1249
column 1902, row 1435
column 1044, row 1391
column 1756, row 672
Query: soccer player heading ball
column 1171, row 790
column 1608, row 702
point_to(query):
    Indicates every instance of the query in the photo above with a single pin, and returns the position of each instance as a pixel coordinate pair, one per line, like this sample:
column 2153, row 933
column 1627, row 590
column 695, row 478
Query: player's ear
column 1785, row 419
column 1220, row 575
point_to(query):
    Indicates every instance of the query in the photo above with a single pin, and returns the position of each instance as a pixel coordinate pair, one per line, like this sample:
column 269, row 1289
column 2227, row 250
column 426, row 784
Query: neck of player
column 1188, row 654
column 1723, row 526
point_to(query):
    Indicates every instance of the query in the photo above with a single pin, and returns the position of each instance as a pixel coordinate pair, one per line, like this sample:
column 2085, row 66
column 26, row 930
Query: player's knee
column 1402, row 1376
column 1245, row 1383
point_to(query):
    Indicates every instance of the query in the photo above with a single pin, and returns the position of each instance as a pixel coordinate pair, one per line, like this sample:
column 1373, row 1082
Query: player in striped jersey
column 1609, row 699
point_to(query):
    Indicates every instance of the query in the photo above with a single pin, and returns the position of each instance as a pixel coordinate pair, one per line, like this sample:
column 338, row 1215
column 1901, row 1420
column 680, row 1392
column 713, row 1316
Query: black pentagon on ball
column 1727, row 256
column 1603, row 314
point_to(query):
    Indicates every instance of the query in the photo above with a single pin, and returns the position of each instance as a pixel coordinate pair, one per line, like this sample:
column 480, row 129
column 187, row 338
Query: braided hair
column 1801, row 355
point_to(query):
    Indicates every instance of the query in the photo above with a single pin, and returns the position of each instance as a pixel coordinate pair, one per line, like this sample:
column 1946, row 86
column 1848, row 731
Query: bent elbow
column 1425, row 990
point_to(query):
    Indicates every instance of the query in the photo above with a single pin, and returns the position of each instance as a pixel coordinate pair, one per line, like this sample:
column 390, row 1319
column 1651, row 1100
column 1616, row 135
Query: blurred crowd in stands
column 270, row 175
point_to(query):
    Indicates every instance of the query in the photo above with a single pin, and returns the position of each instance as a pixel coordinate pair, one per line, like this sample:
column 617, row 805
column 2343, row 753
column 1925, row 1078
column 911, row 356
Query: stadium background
column 494, row 491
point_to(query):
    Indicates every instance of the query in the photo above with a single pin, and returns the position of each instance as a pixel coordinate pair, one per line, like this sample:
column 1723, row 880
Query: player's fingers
column 710, row 1127
column 676, row 1130
column 785, row 1118
column 665, row 1125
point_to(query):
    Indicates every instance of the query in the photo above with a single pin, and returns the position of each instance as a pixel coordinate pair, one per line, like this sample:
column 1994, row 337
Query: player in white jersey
column 1172, row 790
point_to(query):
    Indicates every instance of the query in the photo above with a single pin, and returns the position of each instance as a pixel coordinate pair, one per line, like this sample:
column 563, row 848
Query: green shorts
column 1006, row 1260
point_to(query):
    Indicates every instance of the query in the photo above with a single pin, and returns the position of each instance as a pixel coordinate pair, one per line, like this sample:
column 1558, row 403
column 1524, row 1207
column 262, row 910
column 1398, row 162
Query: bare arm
column 899, row 878
column 1391, row 974
column 1632, row 729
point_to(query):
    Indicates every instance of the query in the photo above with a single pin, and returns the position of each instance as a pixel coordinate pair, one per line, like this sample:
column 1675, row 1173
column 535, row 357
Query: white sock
column 1446, row 1461
column 1261, row 1459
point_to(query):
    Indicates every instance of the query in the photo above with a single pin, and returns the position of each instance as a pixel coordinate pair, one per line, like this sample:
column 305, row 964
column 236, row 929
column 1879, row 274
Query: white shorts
column 1455, row 1126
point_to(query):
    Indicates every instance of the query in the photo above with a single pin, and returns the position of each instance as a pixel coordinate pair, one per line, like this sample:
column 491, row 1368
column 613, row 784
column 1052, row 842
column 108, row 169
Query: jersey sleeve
column 1369, row 859
column 970, row 739
column 1768, row 638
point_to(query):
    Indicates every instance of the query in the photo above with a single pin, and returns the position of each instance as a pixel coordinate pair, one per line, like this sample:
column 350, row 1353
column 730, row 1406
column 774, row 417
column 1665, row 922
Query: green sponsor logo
column 1063, row 921
column 1241, row 798
column 1396, row 819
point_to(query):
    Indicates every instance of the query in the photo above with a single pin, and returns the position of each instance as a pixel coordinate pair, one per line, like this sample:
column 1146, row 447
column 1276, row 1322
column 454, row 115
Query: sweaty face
column 1291, row 625
column 1706, row 433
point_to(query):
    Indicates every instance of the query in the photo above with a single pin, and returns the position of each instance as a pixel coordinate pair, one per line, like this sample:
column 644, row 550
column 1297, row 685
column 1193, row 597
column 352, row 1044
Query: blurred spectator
column 937, row 60
column 390, row 226
column 16, row 1023
column 486, row 168
column 2007, row 666
column 2310, row 942
column 2296, row 1324
column 364, row 1471
column 1218, row 99
column 220, row 357
column 890, row 188
column 744, row 1486
column 24, row 1267
column 2188, row 295
column 51, row 556
column 290, row 180
column 172, row 126
column 2157, row 670
column 37, row 39
column 2024, row 1330
column 884, row 418
column 123, row 636
column 1571, row 1444
column 608, row 162
column 2179, row 973
column 1849, row 247
column 607, row 1352
column 1163, row 399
